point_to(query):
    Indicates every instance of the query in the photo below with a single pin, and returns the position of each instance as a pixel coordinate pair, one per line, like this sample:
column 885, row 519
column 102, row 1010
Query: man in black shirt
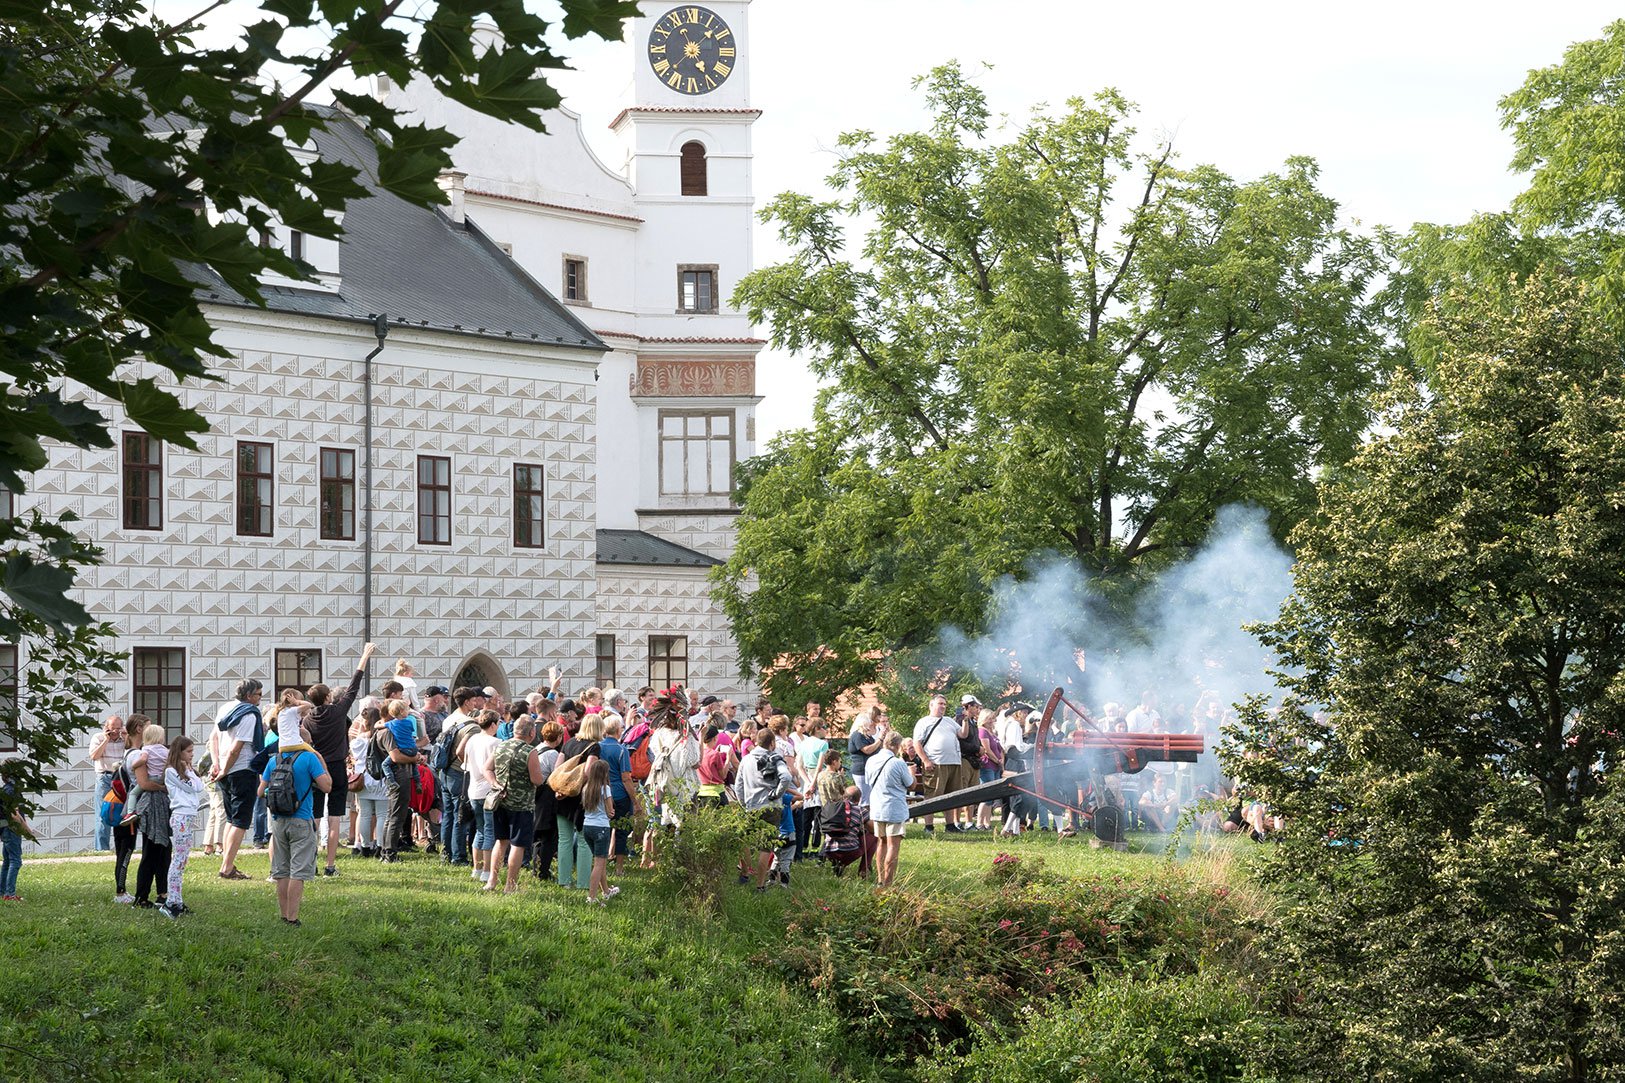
column 329, row 726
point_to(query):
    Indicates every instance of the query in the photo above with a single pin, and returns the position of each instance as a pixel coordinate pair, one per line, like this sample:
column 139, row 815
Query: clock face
column 692, row 50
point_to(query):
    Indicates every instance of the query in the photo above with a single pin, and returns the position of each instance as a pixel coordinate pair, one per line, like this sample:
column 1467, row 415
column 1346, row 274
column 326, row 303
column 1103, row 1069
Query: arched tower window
column 693, row 169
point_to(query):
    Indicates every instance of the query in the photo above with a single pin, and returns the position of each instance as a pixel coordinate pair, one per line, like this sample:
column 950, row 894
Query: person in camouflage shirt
column 515, row 772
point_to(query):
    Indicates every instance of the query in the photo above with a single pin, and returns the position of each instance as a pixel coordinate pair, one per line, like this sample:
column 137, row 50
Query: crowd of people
column 551, row 784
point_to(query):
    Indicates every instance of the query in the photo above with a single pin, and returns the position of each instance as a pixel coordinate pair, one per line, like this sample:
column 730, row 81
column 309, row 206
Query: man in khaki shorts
column 936, row 738
column 293, row 855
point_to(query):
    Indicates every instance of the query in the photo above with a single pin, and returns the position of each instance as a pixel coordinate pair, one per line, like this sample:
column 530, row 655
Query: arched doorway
column 480, row 670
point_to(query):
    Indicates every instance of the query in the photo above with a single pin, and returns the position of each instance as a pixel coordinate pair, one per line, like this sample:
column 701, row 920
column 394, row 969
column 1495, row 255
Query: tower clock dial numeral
column 692, row 50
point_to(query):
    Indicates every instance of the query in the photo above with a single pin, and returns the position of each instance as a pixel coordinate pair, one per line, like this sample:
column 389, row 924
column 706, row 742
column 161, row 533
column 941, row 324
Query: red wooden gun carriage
column 1062, row 769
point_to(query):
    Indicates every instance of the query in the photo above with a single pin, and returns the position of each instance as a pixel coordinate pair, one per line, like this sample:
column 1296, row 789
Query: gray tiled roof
column 421, row 268
column 641, row 547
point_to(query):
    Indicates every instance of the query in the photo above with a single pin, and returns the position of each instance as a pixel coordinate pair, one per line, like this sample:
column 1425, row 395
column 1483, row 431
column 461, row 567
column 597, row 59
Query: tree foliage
column 1450, row 899
column 1046, row 339
column 137, row 166
column 1568, row 122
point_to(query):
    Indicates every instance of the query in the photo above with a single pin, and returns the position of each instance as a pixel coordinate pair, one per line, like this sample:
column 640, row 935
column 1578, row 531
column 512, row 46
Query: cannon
column 1061, row 769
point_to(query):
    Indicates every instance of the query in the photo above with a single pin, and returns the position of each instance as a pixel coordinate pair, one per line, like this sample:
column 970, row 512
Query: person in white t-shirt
column 236, row 771
column 1145, row 718
column 936, row 737
column 476, row 758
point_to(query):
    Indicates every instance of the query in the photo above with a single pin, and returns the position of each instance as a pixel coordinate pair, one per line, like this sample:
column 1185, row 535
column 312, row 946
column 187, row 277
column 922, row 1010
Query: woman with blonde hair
column 148, row 769
column 575, row 852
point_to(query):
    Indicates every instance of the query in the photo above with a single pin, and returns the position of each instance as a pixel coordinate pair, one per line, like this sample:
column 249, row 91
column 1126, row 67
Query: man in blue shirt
column 293, row 838
column 622, row 786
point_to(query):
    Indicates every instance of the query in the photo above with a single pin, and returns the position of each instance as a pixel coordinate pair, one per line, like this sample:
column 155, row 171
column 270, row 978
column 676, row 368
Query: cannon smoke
column 1182, row 635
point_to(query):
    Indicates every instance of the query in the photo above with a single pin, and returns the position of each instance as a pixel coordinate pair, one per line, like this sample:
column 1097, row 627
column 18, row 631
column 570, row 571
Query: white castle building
column 552, row 415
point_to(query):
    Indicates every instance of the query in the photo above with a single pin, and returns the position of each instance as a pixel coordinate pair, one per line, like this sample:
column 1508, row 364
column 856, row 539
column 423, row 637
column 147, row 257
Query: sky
column 1397, row 101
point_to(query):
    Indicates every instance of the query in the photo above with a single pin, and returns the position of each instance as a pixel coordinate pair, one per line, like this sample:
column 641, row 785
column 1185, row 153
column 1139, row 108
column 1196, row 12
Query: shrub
column 1192, row 1028
column 696, row 861
column 911, row 972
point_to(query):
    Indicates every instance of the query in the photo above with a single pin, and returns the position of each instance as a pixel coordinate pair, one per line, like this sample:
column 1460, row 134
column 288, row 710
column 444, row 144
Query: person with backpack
column 238, row 769
column 764, row 780
column 329, row 726
column 124, row 834
column 372, row 800
column 457, row 825
column 287, row 785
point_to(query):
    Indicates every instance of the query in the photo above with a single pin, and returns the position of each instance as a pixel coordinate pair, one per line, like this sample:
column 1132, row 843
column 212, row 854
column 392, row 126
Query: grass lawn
column 409, row 972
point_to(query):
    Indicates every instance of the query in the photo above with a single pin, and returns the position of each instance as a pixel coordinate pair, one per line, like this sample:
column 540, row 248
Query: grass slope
column 408, row 972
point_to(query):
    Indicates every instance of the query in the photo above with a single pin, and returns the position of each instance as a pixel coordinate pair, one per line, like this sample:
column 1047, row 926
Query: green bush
column 697, row 861
column 911, row 972
column 1194, row 1029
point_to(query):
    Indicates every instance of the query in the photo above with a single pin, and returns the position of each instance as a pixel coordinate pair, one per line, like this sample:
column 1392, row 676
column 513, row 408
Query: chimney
column 451, row 183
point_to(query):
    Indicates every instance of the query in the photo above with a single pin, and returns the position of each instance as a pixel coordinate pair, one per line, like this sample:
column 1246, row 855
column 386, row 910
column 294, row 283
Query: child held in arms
column 403, row 727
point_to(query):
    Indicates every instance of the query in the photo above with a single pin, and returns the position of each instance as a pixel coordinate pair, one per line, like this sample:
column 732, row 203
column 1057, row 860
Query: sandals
column 234, row 874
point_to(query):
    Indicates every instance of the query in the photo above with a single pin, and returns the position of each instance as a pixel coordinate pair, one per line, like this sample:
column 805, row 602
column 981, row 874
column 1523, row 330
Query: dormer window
column 692, row 169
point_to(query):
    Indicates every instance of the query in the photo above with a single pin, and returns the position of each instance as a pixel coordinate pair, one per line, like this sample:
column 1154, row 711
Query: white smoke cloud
column 1183, row 635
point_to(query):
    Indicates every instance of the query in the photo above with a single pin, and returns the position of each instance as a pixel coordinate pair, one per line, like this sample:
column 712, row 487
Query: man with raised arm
column 329, row 726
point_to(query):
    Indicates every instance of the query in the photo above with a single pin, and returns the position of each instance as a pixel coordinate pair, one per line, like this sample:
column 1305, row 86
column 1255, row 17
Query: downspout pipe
column 380, row 328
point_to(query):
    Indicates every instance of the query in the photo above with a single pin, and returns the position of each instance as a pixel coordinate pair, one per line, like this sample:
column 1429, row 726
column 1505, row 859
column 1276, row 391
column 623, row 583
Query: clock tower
column 687, row 136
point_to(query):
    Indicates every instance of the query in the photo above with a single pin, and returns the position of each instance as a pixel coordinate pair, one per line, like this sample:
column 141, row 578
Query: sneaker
column 743, row 879
column 930, row 829
column 295, row 922
column 143, row 904
column 611, row 892
column 330, row 871
column 129, row 818
column 431, row 849
column 170, row 912
column 124, row 899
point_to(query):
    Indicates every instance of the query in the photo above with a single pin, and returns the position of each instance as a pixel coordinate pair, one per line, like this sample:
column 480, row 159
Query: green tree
column 136, row 167
column 1449, row 898
column 1046, row 341
column 1568, row 122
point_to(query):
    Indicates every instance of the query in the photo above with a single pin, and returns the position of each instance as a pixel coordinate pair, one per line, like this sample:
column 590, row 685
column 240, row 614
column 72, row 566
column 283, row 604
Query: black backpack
column 445, row 750
column 377, row 758
column 282, row 796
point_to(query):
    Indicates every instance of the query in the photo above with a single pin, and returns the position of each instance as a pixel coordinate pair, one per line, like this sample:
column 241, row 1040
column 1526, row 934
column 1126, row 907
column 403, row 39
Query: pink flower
column 1006, row 923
